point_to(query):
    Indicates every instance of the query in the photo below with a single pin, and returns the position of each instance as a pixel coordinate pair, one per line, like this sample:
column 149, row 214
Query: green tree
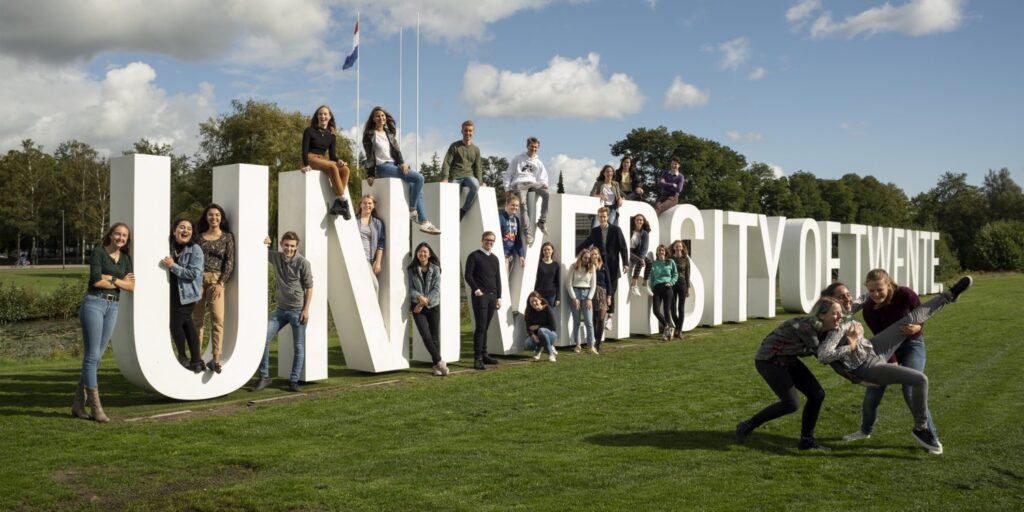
column 777, row 200
column 954, row 208
column 842, row 204
column 191, row 188
column 1004, row 197
column 86, row 196
column 262, row 133
column 432, row 169
column 808, row 199
column 561, row 182
column 494, row 176
column 30, row 188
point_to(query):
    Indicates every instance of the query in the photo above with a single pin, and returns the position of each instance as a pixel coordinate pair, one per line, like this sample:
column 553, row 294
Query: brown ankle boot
column 78, row 403
column 92, row 399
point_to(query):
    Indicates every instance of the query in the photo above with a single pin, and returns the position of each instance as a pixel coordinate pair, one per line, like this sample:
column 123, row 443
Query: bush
column 999, row 245
column 18, row 303
column 949, row 265
column 15, row 303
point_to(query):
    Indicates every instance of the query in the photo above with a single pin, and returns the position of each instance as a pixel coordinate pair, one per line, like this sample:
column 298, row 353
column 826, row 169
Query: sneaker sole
column 934, row 450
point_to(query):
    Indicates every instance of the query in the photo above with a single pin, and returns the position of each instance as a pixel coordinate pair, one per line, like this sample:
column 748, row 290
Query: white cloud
column 652, row 3
column 737, row 136
column 844, row 125
column 776, row 170
column 915, row 18
column 58, row 104
column 580, row 173
column 801, row 10
column 440, row 20
column 565, row 89
column 267, row 33
column 756, row 74
column 734, row 52
column 681, row 94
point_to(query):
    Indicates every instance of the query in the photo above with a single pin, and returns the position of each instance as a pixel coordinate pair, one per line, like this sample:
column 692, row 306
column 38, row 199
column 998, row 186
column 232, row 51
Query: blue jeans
column 547, row 339
column 587, row 314
column 277, row 320
column 910, row 354
column 98, row 317
column 415, row 181
column 473, row 185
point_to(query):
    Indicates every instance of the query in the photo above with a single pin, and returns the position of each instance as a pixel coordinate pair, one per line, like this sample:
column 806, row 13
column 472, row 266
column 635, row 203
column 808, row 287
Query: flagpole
column 356, row 125
column 401, row 33
column 418, row 90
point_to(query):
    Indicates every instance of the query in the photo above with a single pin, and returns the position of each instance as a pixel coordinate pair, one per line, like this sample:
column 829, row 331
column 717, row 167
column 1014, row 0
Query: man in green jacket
column 463, row 165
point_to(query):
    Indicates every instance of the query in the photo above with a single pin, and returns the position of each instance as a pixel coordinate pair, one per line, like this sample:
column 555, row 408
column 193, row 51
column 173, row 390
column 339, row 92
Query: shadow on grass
column 725, row 441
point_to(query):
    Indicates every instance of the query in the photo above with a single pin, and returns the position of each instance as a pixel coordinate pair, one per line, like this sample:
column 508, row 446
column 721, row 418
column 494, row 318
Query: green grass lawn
column 44, row 279
column 645, row 426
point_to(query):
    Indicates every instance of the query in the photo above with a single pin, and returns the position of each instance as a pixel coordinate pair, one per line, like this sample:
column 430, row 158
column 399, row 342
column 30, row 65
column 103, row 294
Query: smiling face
column 379, row 119
column 512, row 206
column 607, row 173
column 423, row 255
column 366, row 205
column 595, row 257
column 213, row 217
column 627, row 164
column 547, row 252
column 878, row 290
column 536, row 303
column 119, row 237
column 183, row 232
column 830, row 319
column 289, row 248
column 638, row 222
column 662, row 253
column 467, row 133
column 674, row 165
column 677, row 247
column 532, row 148
column 842, row 294
column 602, row 218
column 323, row 116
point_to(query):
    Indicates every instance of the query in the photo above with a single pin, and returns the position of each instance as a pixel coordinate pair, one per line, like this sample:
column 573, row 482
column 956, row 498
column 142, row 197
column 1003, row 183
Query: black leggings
column 678, row 308
column 427, row 323
column 182, row 330
column 484, row 307
column 663, row 305
column 785, row 381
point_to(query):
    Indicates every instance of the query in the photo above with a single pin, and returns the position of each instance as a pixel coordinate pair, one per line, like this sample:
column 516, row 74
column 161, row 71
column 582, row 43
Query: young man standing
column 293, row 295
column 512, row 232
column 463, row 165
column 485, row 284
column 609, row 240
column 525, row 174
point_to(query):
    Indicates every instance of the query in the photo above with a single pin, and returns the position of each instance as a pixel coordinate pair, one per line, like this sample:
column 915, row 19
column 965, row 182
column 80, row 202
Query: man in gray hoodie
column 293, row 296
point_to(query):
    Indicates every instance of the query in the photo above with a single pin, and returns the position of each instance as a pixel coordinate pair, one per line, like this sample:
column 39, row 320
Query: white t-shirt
column 608, row 193
column 381, row 148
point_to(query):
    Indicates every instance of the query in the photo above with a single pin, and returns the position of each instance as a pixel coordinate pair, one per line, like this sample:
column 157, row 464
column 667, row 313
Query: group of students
column 894, row 355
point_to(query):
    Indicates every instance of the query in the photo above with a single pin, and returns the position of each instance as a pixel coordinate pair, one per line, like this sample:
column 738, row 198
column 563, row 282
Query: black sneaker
column 345, row 212
column 293, row 387
column 462, row 214
column 335, row 208
column 810, row 443
column 478, row 364
column 743, row 429
column 488, row 359
column 197, row 366
column 927, row 439
column 262, row 384
column 961, row 286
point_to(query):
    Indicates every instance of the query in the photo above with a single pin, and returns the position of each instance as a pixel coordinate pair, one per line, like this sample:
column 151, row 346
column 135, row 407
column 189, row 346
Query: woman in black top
column 318, row 143
column 681, row 290
column 548, row 281
column 540, row 325
column 110, row 271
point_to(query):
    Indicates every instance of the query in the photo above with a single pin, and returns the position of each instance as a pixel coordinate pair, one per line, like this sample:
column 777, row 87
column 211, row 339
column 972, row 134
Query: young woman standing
column 110, row 272
column 185, row 272
column 679, row 254
column 581, row 285
column 372, row 234
column 549, row 272
column 218, row 245
column 664, row 276
column 424, row 275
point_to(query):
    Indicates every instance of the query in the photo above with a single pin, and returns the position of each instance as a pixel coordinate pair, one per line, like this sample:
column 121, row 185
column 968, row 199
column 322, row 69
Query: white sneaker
column 444, row 368
column 856, row 436
column 536, row 356
column 594, row 351
column 647, row 288
column 608, row 323
column 634, row 290
column 437, row 370
column 529, row 240
column 554, row 351
column 414, row 216
column 577, row 349
column 551, row 357
column 429, row 228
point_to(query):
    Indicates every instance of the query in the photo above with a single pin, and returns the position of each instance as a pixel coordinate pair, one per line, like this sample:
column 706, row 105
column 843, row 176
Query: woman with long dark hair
column 638, row 258
column 319, row 152
column 218, row 245
column 424, row 275
column 548, row 282
column 384, row 160
column 110, row 272
column 185, row 272
column 629, row 179
column 581, row 286
column 679, row 254
column 540, row 327
column 602, row 300
column 607, row 189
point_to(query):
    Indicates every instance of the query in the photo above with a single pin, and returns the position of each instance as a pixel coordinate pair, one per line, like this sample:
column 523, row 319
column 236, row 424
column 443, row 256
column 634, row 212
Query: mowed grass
column 645, row 426
column 45, row 279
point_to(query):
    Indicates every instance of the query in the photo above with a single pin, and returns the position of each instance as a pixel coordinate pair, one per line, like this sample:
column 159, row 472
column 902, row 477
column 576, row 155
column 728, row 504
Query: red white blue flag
column 351, row 59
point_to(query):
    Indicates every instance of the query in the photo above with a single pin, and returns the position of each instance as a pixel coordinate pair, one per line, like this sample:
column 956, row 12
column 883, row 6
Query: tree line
column 982, row 227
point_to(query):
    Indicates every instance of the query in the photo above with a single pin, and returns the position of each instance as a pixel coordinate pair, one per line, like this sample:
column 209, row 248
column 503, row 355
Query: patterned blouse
column 220, row 255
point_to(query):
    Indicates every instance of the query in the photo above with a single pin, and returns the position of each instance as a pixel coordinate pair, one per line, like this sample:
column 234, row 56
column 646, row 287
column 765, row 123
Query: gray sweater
column 294, row 277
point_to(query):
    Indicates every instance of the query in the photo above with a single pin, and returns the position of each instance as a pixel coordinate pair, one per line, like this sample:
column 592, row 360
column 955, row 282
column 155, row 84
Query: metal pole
column 401, row 34
column 63, row 251
column 418, row 90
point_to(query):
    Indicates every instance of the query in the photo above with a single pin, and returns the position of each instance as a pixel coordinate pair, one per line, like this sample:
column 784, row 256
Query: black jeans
column 183, row 330
column 427, row 323
column 678, row 308
column 785, row 381
column 484, row 307
column 663, row 305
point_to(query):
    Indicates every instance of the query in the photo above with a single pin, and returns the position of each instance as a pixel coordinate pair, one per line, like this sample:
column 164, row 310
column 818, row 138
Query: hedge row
column 18, row 303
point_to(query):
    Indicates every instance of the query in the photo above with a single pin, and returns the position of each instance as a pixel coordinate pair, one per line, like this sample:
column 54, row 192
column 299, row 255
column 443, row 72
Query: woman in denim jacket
column 185, row 272
column 424, row 276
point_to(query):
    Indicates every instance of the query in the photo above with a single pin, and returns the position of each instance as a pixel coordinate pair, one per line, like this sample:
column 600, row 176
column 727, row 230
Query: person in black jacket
column 540, row 326
column 384, row 160
column 609, row 240
column 485, row 289
column 319, row 153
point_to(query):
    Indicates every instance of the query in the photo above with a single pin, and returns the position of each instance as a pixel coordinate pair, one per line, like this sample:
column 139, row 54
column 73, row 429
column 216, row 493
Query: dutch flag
column 351, row 59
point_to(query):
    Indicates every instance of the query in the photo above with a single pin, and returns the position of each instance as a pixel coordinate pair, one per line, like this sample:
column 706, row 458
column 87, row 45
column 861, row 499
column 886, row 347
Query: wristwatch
column 113, row 280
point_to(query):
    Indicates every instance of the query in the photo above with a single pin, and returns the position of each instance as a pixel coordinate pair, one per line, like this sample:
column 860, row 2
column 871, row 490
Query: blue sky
column 903, row 91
